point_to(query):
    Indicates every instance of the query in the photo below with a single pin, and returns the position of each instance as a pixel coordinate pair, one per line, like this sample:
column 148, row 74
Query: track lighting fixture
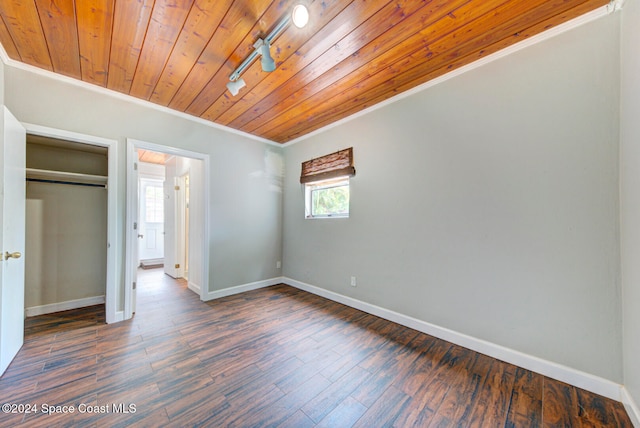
column 268, row 63
column 234, row 86
column 262, row 47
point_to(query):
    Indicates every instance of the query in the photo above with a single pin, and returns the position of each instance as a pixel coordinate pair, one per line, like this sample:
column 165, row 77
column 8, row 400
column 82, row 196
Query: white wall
column 630, row 195
column 152, row 171
column 245, row 216
column 1, row 83
column 487, row 204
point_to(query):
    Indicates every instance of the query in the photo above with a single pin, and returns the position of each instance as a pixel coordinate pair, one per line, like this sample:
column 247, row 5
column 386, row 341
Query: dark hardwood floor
column 271, row 357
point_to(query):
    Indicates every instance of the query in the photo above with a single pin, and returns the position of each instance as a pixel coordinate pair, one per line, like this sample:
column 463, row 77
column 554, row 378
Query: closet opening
column 66, row 225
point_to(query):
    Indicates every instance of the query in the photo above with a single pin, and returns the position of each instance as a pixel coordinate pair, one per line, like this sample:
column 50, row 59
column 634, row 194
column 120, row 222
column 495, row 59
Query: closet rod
column 40, row 180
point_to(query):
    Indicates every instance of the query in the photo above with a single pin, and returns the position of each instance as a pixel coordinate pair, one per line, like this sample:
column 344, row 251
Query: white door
column 179, row 227
column 170, row 255
column 132, row 231
column 12, row 218
column 151, row 220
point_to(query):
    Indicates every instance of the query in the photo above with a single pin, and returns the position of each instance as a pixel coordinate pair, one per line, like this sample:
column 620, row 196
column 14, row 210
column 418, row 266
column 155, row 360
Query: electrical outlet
column 353, row 281
column 278, row 264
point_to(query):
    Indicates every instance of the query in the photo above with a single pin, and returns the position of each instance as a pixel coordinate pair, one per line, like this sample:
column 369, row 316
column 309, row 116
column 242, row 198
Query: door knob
column 14, row 255
column 140, row 236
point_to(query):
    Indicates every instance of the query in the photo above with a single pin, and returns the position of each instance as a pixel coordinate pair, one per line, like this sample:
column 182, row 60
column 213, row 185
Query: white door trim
column 132, row 145
column 111, row 292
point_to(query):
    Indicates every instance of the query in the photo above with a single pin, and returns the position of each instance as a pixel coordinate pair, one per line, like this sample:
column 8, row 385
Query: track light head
column 268, row 63
column 235, row 85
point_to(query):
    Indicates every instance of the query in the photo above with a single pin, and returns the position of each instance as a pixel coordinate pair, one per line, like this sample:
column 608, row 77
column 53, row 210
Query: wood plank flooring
column 271, row 357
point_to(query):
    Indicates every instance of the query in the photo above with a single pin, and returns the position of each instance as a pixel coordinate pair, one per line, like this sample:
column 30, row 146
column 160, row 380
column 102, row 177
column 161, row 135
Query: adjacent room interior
column 403, row 214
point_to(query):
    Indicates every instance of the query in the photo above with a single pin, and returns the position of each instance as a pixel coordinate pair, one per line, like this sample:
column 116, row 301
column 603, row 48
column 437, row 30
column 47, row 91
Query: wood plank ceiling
column 351, row 55
column 152, row 157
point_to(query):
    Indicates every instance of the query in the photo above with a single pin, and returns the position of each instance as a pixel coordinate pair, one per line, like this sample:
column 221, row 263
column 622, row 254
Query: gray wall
column 245, row 209
column 630, row 195
column 66, row 229
column 487, row 204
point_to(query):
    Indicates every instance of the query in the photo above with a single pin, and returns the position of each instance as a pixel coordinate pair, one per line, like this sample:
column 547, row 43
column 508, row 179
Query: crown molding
column 613, row 6
column 538, row 38
column 124, row 97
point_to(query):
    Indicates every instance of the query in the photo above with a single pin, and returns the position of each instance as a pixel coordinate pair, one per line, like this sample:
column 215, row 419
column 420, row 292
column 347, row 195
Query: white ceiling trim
column 613, row 6
column 124, row 97
column 545, row 35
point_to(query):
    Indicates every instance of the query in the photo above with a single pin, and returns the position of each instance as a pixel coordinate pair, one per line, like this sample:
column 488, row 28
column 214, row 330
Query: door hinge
column 134, row 285
column 176, row 187
column 135, row 166
column 177, row 266
column 135, row 225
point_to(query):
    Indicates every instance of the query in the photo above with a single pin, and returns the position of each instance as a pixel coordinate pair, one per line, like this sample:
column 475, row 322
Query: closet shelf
column 73, row 177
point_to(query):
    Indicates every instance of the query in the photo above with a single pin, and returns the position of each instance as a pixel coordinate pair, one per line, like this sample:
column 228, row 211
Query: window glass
column 327, row 198
column 154, row 204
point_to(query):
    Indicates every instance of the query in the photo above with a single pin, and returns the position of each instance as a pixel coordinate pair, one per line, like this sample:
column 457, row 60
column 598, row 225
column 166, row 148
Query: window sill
column 324, row 217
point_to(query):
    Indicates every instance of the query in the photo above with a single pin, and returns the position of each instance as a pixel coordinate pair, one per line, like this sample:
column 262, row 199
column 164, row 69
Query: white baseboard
column 553, row 370
column 193, row 287
column 152, row 262
column 242, row 288
column 631, row 407
column 64, row 306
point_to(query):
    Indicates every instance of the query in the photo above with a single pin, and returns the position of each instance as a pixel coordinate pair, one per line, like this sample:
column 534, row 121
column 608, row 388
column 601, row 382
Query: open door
column 12, row 221
column 151, row 227
column 171, row 260
column 132, row 230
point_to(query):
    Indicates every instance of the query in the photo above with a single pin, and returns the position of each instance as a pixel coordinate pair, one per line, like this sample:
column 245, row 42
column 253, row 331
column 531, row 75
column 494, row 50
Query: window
column 326, row 184
column 328, row 198
column 154, row 204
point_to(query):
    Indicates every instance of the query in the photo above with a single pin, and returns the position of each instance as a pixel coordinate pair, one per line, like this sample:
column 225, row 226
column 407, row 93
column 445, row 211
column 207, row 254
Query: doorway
column 151, row 177
column 184, row 212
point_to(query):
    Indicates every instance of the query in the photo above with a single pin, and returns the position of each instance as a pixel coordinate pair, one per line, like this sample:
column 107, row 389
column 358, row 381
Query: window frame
column 311, row 187
column 158, row 196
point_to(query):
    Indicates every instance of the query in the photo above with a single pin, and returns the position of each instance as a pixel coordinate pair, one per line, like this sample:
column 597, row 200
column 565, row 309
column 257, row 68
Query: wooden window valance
column 338, row 164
